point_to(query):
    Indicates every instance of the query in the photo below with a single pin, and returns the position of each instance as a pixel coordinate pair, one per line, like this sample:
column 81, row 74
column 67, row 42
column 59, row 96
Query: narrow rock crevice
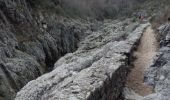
column 144, row 55
column 158, row 73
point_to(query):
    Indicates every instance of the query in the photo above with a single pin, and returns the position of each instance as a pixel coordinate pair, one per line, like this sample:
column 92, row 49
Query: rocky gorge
column 47, row 55
column 30, row 45
column 97, row 70
column 158, row 73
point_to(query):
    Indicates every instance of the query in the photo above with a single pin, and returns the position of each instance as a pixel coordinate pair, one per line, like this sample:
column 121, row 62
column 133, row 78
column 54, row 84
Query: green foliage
column 19, row 8
column 134, row 19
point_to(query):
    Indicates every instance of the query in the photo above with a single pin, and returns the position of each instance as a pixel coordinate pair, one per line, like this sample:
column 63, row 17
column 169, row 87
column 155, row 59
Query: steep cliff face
column 31, row 41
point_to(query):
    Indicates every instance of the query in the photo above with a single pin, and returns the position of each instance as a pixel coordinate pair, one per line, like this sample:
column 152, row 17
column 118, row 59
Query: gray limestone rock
column 95, row 71
column 31, row 41
column 159, row 73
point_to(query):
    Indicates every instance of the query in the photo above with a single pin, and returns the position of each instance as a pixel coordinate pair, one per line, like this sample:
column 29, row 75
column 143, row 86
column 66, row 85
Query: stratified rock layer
column 97, row 70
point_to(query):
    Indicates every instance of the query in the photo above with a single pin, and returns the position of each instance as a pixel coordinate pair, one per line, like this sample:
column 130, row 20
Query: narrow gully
column 144, row 55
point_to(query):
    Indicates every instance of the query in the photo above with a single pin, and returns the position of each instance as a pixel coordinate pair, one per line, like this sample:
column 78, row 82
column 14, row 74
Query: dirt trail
column 144, row 56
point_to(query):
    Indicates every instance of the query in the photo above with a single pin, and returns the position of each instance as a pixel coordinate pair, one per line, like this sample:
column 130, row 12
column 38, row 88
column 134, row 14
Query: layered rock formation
column 96, row 71
column 31, row 42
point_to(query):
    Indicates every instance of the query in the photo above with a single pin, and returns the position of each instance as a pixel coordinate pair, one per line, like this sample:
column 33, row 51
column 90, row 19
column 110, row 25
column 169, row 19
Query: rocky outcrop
column 31, row 41
column 33, row 37
column 96, row 71
column 158, row 74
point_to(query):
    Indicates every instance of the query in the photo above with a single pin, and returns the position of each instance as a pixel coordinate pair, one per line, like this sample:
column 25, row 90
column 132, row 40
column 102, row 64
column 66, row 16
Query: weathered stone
column 31, row 42
column 129, row 94
column 158, row 74
column 97, row 70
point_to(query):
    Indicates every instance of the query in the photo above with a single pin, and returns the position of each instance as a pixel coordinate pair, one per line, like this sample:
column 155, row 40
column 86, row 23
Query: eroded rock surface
column 31, row 41
column 96, row 71
column 158, row 74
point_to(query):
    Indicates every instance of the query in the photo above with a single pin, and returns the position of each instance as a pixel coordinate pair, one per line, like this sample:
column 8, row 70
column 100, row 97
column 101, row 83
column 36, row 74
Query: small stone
column 162, row 77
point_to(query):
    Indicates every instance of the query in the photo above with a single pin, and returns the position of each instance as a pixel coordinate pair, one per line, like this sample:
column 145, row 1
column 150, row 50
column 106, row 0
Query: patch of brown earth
column 144, row 56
